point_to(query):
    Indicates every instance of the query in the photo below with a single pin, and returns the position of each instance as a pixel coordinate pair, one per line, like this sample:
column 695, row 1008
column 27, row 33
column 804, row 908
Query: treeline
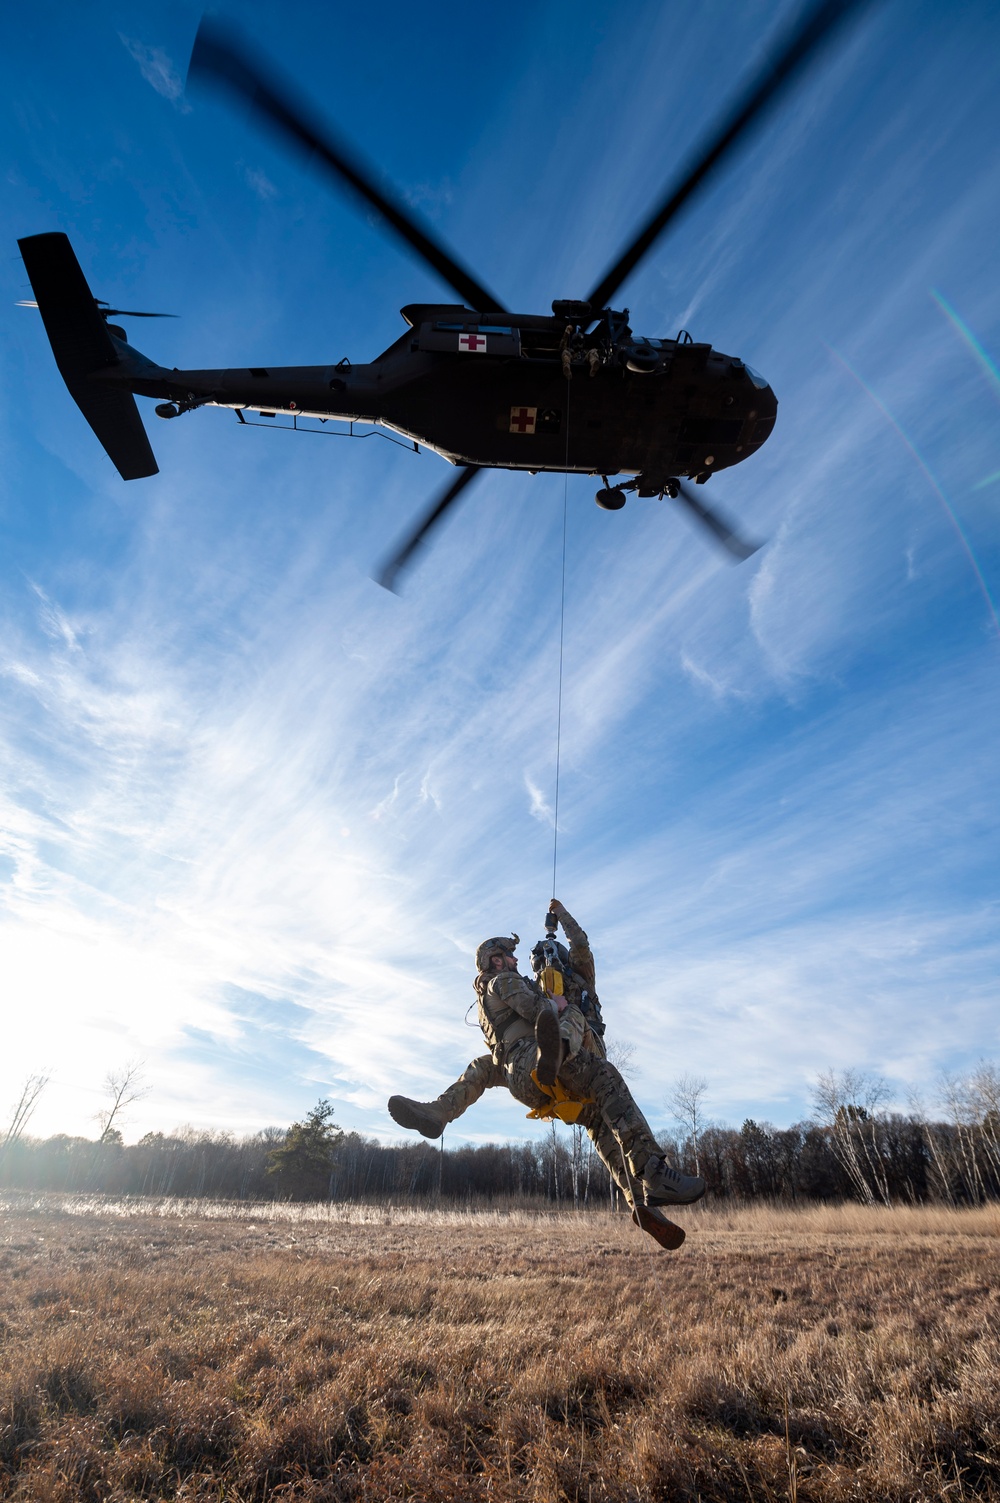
column 220, row 1165
column 891, row 1159
column 866, row 1155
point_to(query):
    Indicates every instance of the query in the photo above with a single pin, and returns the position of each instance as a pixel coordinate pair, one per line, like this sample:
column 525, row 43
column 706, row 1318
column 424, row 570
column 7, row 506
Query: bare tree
column 122, row 1088
column 685, row 1107
column 984, row 1085
column 576, row 1162
column 33, row 1087
column 622, row 1056
column 941, row 1177
column 973, row 1106
column 847, row 1106
column 958, row 1097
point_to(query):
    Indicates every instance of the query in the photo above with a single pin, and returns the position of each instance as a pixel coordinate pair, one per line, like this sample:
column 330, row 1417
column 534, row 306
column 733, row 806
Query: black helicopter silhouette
column 481, row 386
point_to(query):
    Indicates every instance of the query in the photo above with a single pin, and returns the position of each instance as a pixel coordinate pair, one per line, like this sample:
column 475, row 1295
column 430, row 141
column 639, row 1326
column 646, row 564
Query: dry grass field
column 193, row 1351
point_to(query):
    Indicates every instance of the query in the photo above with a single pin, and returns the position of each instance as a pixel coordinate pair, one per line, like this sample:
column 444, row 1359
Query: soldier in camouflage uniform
column 432, row 1117
column 536, row 1041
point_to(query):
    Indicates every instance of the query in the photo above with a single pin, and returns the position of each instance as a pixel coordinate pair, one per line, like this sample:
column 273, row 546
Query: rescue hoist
column 562, row 1104
column 550, row 978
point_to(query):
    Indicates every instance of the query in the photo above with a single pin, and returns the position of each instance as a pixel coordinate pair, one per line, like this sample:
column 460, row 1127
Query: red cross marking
column 471, row 341
column 522, row 418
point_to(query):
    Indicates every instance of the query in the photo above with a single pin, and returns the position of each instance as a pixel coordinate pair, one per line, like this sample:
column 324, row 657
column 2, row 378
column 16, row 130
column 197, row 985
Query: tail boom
column 84, row 349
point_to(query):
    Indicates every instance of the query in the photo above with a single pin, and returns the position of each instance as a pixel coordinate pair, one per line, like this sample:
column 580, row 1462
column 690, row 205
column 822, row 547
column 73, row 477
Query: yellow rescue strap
column 551, row 981
column 562, row 1105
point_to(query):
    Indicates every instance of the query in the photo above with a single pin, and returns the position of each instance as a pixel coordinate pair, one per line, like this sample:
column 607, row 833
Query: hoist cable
column 562, row 635
column 562, row 639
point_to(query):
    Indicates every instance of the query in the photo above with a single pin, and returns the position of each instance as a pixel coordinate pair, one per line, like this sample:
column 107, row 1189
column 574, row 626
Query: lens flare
column 988, row 365
column 932, row 481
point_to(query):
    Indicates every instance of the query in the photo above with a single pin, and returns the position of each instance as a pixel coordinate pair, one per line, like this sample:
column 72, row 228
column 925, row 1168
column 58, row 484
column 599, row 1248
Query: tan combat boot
column 550, row 1045
column 659, row 1228
column 420, row 1116
column 663, row 1186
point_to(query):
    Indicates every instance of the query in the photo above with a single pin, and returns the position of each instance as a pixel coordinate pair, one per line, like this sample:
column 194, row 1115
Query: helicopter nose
column 756, row 379
column 764, row 413
column 765, row 404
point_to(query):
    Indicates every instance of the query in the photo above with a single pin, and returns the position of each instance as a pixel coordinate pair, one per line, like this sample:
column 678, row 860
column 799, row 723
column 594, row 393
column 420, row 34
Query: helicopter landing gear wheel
column 611, row 498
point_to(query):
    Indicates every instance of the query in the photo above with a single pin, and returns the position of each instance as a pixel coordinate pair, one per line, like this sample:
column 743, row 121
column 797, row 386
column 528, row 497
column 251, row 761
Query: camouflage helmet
column 502, row 945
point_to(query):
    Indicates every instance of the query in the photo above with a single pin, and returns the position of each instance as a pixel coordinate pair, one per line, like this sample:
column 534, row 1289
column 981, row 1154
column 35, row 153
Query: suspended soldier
column 549, row 1057
column 484, row 1073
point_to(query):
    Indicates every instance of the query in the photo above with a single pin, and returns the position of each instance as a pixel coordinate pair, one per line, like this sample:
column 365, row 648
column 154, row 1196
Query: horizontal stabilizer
column 82, row 345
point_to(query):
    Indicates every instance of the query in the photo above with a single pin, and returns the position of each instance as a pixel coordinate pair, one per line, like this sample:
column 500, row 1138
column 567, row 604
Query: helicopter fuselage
column 519, row 392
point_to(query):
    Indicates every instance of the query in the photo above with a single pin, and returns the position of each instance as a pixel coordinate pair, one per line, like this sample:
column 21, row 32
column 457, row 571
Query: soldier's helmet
column 502, row 945
column 538, row 956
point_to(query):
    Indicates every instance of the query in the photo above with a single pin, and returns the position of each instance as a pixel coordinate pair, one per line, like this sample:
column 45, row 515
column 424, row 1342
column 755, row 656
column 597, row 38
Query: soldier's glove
column 560, row 912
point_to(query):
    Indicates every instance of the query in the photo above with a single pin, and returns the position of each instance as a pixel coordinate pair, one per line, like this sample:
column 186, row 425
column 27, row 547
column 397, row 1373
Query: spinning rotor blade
column 738, row 548
column 216, row 57
column 402, row 556
column 798, row 49
column 105, row 311
column 131, row 313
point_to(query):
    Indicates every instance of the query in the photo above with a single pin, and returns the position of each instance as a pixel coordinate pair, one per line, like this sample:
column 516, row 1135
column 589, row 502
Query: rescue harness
column 562, row 1105
column 503, row 1026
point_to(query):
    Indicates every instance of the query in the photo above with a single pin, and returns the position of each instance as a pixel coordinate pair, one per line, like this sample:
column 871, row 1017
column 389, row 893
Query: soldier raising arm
column 538, row 1063
column 485, row 1073
column 579, row 955
column 532, row 1046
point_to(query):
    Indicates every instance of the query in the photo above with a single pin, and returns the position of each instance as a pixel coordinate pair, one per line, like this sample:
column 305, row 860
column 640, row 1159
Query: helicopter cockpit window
column 756, row 378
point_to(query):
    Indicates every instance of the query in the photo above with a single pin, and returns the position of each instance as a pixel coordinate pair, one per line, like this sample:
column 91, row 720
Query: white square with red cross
column 523, row 419
column 472, row 344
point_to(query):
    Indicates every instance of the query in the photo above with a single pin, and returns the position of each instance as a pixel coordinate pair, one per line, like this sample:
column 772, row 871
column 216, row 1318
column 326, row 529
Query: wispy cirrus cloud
column 259, row 182
column 158, row 69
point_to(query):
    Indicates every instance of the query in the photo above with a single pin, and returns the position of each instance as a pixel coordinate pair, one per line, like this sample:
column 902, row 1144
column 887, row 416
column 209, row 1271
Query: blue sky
column 256, row 813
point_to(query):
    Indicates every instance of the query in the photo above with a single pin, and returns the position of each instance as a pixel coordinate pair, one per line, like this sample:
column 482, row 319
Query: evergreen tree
column 304, row 1162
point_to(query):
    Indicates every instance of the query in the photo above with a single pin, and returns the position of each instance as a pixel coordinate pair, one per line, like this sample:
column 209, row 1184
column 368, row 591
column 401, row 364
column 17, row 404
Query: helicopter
column 571, row 391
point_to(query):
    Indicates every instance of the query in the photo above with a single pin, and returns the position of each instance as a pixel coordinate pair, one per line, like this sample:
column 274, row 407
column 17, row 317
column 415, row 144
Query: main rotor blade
column 218, row 58
column 798, row 49
column 105, row 311
column 738, row 548
column 402, row 556
column 131, row 313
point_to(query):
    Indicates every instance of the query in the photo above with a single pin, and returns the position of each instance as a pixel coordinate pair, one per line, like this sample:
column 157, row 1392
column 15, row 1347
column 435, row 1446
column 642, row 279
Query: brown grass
column 197, row 1351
